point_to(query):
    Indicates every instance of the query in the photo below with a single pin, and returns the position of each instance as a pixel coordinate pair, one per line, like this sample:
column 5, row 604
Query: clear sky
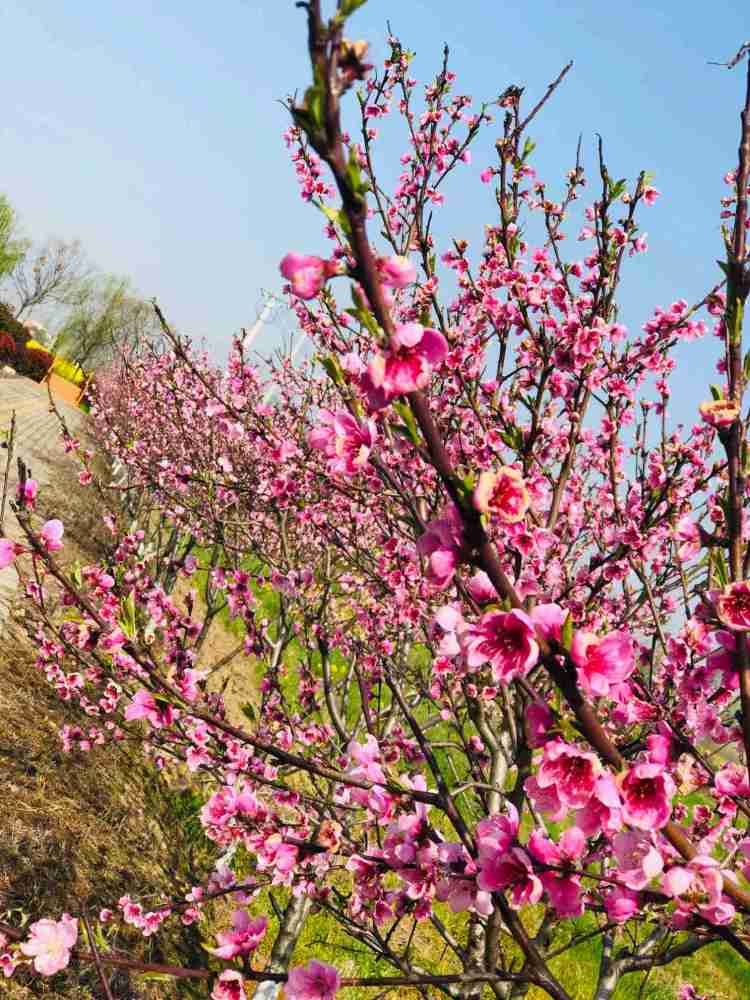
column 151, row 131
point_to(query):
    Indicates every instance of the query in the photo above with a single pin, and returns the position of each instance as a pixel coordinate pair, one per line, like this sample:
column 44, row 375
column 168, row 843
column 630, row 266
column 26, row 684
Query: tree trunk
column 289, row 930
column 474, row 960
column 609, row 972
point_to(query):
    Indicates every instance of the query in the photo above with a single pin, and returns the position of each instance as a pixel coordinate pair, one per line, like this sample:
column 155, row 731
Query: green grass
column 716, row 971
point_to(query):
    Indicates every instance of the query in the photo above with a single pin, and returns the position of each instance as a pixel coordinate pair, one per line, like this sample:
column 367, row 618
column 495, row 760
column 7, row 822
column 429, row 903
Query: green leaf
column 528, row 148
column 568, row 731
column 354, row 175
column 513, row 437
column 566, row 634
column 366, row 318
column 314, row 105
column 617, row 189
column 99, row 938
column 334, row 370
column 716, row 392
column 75, row 573
column 467, row 484
column 720, row 568
column 338, row 218
column 127, row 619
column 248, row 711
column 409, row 428
column 348, row 7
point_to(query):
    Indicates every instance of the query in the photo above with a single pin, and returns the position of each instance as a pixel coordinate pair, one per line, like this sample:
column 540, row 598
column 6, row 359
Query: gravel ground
column 37, row 442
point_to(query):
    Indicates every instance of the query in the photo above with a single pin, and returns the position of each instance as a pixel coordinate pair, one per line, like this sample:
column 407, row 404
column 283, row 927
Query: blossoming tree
column 500, row 606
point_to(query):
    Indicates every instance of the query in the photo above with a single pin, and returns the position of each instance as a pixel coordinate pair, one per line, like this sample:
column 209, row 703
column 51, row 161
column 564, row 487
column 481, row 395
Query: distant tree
column 51, row 276
column 12, row 247
column 49, row 292
column 105, row 315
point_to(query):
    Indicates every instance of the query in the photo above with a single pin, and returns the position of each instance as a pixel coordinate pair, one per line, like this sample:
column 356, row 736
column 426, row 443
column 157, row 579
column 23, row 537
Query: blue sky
column 151, row 131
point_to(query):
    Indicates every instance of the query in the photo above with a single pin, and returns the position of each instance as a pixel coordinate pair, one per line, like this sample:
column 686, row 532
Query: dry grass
column 78, row 831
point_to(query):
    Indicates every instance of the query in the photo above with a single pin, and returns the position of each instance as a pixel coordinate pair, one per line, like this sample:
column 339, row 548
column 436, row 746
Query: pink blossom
column 677, row 880
column 496, row 834
column 733, row 606
column 366, row 756
column 621, row 904
column 660, row 748
column 187, row 683
column 229, row 986
column 539, row 722
column 144, row 706
column 245, row 936
column 686, row 531
column 50, row 943
column 548, row 621
column 603, row 811
column 512, row 870
column 570, row 847
column 689, row 992
column 724, row 659
column 443, row 541
column 28, row 493
column 650, row 194
column 413, row 352
column 345, row 441
column 8, row 552
column 638, row 861
column 460, row 893
column 545, row 799
column 449, row 621
column 314, row 981
column 732, row 780
column 52, row 532
column 572, row 772
column 506, row 640
column 486, row 175
column 481, row 589
column 647, row 792
column 306, row 274
column 701, row 875
column 602, row 662
column 502, row 494
column 720, row 413
column 8, row 963
column 397, row 271
column 564, row 892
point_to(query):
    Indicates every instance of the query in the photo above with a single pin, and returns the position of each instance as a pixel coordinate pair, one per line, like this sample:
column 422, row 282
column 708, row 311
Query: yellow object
column 61, row 366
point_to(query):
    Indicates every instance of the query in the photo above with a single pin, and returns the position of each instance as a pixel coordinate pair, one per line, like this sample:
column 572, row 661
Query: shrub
column 69, row 371
column 10, row 325
column 33, row 362
column 7, row 349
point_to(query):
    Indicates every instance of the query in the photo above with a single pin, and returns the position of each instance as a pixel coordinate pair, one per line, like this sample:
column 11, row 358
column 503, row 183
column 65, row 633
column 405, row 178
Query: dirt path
column 37, row 442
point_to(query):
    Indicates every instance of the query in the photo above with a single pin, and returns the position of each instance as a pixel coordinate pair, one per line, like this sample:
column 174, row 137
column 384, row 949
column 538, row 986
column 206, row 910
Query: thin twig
column 8, row 459
column 95, row 953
